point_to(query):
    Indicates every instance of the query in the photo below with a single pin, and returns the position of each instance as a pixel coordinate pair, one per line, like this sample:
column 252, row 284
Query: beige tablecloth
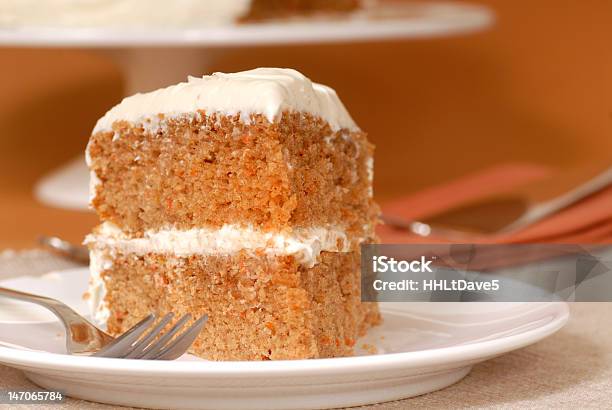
column 571, row 370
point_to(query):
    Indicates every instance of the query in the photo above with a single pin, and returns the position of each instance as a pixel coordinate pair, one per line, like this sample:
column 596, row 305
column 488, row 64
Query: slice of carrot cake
column 244, row 196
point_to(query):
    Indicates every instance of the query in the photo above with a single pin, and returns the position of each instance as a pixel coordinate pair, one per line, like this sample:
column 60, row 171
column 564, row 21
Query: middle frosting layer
column 305, row 243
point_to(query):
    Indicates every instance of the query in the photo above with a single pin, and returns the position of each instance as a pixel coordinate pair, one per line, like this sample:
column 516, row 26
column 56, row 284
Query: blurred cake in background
column 264, row 9
column 243, row 196
column 176, row 13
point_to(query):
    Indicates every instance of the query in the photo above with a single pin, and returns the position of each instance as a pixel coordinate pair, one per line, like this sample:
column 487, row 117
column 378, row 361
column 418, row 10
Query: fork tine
column 182, row 342
column 156, row 347
column 120, row 345
column 139, row 347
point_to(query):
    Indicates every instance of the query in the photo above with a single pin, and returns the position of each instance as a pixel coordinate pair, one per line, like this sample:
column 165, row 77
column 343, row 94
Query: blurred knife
column 512, row 210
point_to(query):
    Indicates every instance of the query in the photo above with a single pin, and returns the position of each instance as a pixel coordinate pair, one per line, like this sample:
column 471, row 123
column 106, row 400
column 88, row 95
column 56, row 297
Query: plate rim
column 477, row 351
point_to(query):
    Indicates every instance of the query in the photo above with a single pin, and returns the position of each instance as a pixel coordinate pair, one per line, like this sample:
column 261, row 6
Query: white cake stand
column 139, row 51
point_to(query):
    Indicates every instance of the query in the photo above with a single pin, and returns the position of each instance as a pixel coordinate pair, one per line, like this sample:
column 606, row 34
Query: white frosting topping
column 125, row 13
column 94, row 181
column 267, row 91
column 305, row 243
column 97, row 289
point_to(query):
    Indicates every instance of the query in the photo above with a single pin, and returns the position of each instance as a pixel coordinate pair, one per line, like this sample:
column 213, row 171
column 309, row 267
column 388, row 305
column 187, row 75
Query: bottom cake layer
column 260, row 308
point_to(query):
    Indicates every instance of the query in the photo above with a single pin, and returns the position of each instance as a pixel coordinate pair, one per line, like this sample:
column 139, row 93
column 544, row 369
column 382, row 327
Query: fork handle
column 62, row 311
column 82, row 336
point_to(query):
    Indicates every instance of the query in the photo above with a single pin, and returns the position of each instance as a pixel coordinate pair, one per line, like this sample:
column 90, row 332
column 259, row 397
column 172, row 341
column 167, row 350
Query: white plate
column 380, row 21
column 421, row 347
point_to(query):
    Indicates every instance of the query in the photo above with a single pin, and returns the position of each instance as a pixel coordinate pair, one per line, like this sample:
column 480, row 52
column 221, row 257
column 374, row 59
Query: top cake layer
column 264, row 150
column 267, row 91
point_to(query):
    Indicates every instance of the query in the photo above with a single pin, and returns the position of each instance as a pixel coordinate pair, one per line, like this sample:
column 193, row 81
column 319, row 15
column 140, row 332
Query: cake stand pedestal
column 146, row 69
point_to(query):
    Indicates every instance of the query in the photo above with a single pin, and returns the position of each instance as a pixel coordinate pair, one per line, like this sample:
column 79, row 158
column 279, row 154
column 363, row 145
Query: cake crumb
column 371, row 349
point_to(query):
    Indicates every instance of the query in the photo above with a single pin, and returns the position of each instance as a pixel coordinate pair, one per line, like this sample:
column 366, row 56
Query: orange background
column 536, row 88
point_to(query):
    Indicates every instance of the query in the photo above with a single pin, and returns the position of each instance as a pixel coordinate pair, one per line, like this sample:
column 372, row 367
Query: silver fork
column 76, row 253
column 145, row 341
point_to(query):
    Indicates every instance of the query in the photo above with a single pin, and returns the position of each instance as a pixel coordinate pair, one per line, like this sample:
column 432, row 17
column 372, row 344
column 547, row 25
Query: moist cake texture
column 261, row 308
column 261, row 174
column 243, row 196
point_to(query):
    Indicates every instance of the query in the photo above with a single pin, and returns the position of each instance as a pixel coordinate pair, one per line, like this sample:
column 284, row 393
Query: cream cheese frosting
column 305, row 243
column 267, row 91
column 124, row 13
column 97, row 289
